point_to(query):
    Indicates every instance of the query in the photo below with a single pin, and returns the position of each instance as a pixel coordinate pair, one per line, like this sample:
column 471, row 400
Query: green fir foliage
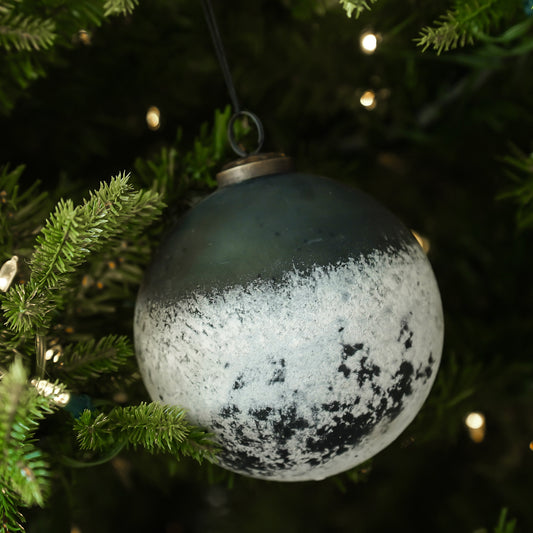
column 467, row 21
column 19, row 32
column 21, row 212
column 33, row 34
column 23, row 469
column 69, row 236
column 155, row 427
column 119, row 7
column 11, row 519
column 90, row 359
column 356, row 7
column 173, row 172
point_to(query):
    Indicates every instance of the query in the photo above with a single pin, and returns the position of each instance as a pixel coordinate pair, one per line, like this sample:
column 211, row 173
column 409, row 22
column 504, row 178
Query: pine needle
column 68, row 238
column 470, row 19
column 119, row 7
column 91, row 359
column 19, row 32
column 23, row 469
column 155, row 427
column 356, row 6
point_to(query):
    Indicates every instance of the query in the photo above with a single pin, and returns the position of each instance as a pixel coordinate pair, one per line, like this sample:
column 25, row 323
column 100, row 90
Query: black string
column 219, row 49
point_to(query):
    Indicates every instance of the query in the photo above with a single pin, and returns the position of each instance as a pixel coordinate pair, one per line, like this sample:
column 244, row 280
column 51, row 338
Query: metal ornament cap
column 254, row 166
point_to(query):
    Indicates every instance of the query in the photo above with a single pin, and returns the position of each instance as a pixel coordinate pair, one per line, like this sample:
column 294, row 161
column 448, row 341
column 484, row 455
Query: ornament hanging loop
column 236, row 147
column 238, row 112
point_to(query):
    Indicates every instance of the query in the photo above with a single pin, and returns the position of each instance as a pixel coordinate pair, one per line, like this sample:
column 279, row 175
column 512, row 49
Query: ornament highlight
column 296, row 319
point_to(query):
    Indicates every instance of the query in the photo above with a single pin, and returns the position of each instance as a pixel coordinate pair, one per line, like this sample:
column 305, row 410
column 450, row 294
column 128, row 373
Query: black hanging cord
column 238, row 112
column 221, row 54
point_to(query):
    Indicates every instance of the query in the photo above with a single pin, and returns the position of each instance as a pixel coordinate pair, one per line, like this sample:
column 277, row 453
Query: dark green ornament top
column 262, row 227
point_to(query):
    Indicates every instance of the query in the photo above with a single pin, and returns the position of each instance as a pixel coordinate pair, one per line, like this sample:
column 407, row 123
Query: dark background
column 432, row 151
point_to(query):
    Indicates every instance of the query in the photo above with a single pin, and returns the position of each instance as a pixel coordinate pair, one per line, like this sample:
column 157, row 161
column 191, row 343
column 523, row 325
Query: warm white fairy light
column 7, row 273
column 368, row 100
column 46, row 388
column 153, row 118
column 423, row 241
column 84, row 37
column 54, row 353
column 368, row 42
column 475, row 423
column 475, row 420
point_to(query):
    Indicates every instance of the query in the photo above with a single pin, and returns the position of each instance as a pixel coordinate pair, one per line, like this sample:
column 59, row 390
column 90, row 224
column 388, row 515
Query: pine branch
column 172, row 172
column 470, row 19
column 19, row 32
column 21, row 213
column 86, row 360
column 356, row 6
column 11, row 518
column 155, row 427
column 119, row 7
column 65, row 243
column 22, row 466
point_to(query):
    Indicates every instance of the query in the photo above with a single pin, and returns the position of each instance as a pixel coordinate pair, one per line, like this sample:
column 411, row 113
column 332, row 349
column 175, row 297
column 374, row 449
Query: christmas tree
column 113, row 116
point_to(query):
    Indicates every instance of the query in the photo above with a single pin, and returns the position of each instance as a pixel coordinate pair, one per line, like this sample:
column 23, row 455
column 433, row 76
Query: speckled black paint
column 279, row 372
column 406, row 335
column 350, row 349
column 260, row 414
column 345, row 428
column 345, row 370
column 239, row 382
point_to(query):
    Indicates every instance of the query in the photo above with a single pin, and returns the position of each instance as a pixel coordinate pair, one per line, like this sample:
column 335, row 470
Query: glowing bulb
column 475, row 420
column 7, row 273
column 84, row 37
column 368, row 42
column 368, row 100
column 531, row 445
column 153, row 118
column 423, row 241
column 475, row 423
column 49, row 354
column 47, row 389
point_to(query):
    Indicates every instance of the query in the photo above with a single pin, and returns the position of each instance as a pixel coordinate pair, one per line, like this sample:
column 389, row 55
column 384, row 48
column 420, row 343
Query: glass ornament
column 294, row 318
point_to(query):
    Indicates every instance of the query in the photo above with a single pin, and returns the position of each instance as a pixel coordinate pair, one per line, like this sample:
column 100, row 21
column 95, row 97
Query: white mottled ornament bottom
column 304, row 378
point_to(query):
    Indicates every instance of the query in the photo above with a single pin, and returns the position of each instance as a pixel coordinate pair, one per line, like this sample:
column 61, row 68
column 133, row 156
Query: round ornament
column 293, row 317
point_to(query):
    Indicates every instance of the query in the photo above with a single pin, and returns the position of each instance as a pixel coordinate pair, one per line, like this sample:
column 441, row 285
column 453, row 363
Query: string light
column 84, row 37
column 54, row 353
column 475, row 423
column 368, row 100
column 7, row 273
column 531, row 445
column 368, row 42
column 423, row 241
column 153, row 118
column 47, row 389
